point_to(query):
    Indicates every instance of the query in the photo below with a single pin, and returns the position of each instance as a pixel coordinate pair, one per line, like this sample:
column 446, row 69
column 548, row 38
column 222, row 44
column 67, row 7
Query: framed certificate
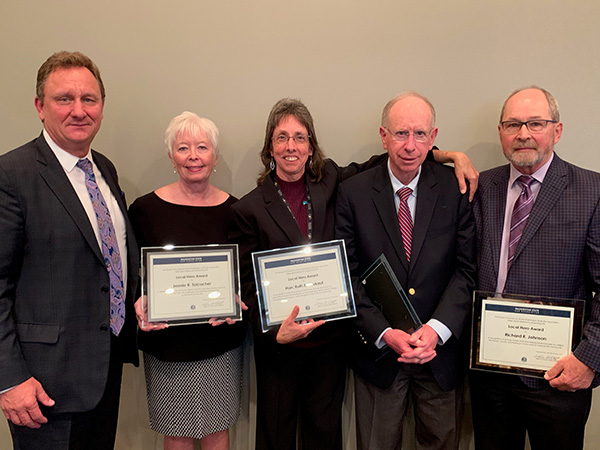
column 523, row 335
column 191, row 284
column 315, row 277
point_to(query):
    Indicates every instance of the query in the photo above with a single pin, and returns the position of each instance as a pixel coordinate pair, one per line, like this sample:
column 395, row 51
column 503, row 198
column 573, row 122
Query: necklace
column 306, row 202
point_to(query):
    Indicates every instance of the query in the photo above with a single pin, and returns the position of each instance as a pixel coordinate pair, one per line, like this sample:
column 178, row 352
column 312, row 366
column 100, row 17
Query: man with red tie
column 412, row 211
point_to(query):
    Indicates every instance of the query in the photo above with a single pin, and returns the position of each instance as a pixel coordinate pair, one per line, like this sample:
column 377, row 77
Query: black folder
column 385, row 291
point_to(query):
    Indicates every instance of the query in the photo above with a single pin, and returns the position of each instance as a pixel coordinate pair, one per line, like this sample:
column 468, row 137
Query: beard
column 529, row 158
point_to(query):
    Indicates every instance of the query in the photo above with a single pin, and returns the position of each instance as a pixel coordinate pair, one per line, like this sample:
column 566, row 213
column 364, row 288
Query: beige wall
column 231, row 60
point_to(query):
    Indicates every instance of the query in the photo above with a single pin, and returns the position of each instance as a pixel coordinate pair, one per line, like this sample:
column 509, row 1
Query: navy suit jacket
column 559, row 252
column 441, row 270
column 54, row 286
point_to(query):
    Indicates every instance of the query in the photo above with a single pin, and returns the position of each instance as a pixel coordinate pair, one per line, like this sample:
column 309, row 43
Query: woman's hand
column 216, row 322
column 141, row 312
column 291, row 331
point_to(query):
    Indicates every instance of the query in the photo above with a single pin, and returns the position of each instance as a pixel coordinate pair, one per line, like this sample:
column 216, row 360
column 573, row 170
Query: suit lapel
column 319, row 206
column 280, row 213
column 383, row 198
column 554, row 184
column 110, row 179
column 56, row 179
column 426, row 200
column 496, row 201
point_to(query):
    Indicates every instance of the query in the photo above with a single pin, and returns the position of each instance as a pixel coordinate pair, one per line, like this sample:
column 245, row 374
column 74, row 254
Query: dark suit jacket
column 54, row 286
column 559, row 251
column 261, row 221
column 442, row 267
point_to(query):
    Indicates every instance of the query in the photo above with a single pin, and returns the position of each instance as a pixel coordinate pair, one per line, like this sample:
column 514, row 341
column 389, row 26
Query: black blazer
column 54, row 287
column 261, row 221
column 441, row 273
column 559, row 252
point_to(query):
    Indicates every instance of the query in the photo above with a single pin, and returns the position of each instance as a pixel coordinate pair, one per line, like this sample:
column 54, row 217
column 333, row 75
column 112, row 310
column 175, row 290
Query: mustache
column 529, row 143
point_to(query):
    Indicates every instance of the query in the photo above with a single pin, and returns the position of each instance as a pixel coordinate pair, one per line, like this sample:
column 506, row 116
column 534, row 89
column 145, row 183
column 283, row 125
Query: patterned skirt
column 194, row 399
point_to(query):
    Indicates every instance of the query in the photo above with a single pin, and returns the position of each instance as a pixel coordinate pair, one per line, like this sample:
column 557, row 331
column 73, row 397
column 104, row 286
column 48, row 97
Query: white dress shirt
column 77, row 179
column 442, row 330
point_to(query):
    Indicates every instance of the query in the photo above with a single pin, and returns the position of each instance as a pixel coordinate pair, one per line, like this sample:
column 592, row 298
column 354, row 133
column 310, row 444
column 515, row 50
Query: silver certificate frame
column 191, row 284
column 521, row 334
column 314, row 276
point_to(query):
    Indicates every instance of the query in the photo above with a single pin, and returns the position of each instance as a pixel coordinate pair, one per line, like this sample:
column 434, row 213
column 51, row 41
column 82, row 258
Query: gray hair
column 388, row 107
column 552, row 103
column 190, row 123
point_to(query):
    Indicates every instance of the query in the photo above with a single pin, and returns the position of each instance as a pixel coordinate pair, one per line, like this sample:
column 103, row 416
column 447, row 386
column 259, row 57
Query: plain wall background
column 231, row 60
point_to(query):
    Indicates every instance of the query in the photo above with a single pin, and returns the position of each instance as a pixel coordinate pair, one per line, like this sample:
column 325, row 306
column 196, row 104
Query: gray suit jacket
column 559, row 251
column 54, row 287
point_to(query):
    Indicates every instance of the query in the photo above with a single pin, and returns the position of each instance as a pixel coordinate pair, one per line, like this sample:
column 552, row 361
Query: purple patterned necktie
column 110, row 247
column 405, row 220
column 520, row 214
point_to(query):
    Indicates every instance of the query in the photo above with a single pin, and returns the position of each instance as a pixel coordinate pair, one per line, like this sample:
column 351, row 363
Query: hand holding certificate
column 190, row 284
column 523, row 335
column 313, row 277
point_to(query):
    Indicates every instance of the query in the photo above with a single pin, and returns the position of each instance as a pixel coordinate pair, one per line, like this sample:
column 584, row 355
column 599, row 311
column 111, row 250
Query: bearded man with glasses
column 556, row 253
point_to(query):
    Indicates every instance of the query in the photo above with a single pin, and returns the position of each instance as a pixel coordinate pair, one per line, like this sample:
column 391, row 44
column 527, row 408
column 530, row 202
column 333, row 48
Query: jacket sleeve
column 12, row 223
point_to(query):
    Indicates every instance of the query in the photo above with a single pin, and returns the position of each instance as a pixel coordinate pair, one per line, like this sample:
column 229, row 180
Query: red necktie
column 405, row 220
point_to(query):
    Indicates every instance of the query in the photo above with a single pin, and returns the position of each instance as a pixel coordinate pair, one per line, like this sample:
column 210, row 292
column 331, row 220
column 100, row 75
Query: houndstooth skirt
column 194, row 399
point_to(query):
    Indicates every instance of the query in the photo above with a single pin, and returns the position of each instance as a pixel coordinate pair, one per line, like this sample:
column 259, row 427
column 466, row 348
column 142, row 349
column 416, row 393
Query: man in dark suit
column 556, row 254
column 68, row 270
column 435, row 263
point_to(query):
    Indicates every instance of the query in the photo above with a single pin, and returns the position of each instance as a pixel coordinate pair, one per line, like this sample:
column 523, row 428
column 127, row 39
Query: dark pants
column 380, row 412
column 504, row 408
column 299, row 383
column 89, row 430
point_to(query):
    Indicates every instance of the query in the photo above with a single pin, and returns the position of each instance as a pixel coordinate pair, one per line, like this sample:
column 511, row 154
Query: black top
column 157, row 223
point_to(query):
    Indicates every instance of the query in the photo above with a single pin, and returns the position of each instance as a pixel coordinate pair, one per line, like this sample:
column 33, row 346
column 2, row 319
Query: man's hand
column 397, row 340
column 463, row 169
column 291, row 331
column 423, row 343
column 569, row 374
column 20, row 404
column 141, row 312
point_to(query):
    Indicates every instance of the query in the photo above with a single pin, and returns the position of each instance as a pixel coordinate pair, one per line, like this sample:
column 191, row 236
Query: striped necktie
column 520, row 214
column 405, row 220
column 110, row 248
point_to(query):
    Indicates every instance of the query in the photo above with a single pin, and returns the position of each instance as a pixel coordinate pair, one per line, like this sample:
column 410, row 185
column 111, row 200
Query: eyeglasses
column 299, row 139
column 534, row 126
column 402, row 135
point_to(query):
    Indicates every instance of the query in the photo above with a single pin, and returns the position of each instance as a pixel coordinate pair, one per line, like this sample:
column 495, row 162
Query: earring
column 310, row 162
column 272, row 164
column 174, row 169
column 215, row 170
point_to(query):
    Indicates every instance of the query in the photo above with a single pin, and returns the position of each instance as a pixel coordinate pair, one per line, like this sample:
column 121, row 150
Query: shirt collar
column 538, row 175
column 397, row 184
column 66, row 159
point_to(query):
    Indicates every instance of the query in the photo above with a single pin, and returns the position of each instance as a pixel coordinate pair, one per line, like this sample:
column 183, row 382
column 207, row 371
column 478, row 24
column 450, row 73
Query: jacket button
column 103, row 327
column 104, row 289
column 411, row 291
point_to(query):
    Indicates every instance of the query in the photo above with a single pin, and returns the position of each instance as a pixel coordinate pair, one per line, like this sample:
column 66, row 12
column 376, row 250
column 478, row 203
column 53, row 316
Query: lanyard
column 308, row 210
